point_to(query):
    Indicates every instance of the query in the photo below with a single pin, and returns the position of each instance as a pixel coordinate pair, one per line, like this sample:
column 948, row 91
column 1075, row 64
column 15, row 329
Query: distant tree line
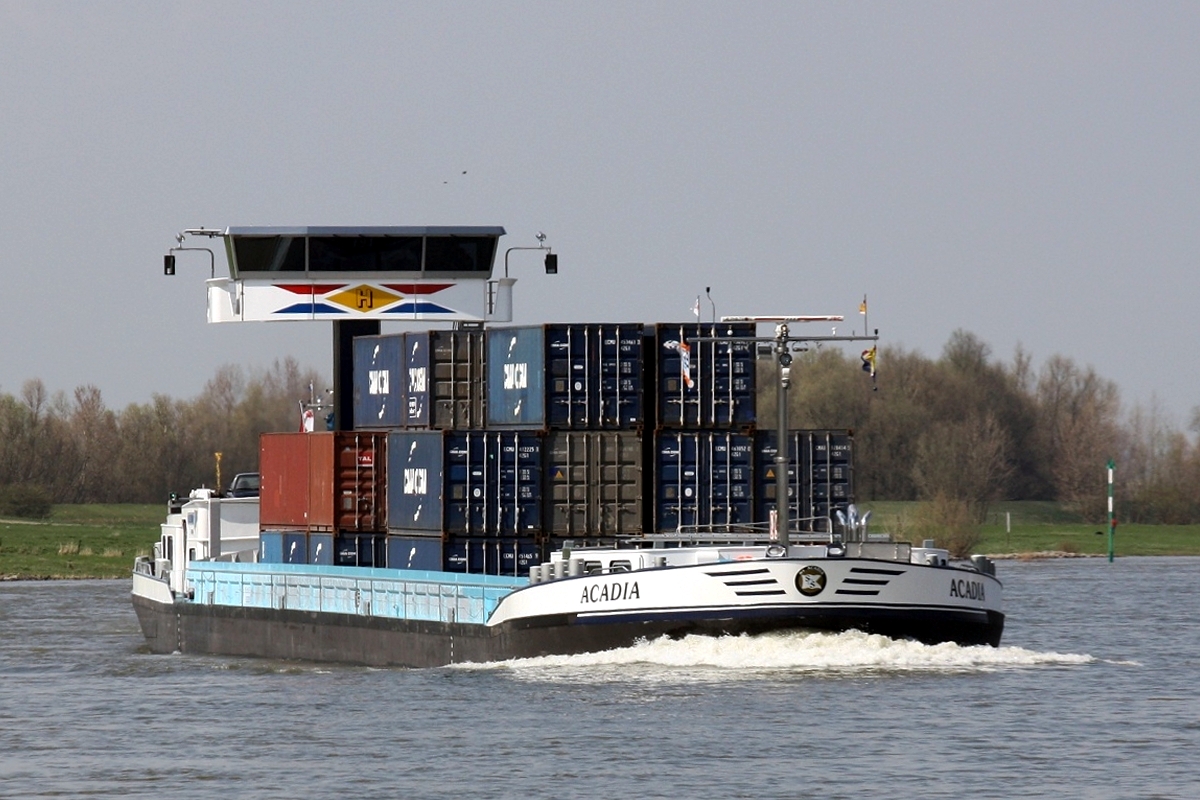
column 972, row 429
column 963, row 429
column 73, row 449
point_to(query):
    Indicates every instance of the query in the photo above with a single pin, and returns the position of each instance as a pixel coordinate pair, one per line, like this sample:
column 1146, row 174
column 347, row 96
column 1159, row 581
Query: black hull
column 378, row 641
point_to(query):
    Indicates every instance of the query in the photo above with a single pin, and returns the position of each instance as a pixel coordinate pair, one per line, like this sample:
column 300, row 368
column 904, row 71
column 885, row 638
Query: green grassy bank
column 97, row 541
column 1023, row 528
column 79, row 541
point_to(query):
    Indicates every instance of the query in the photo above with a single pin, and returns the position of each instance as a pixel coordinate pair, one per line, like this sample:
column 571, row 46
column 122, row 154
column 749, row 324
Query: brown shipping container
column 323, row 481
column 594, row 483
column 459, row 379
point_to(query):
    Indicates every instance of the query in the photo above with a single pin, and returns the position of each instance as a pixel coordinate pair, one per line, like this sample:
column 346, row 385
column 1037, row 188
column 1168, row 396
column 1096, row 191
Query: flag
column 685, row 360
column 696, row 307
column 868, row 359
column 306, row 421
column 685, row 364
column 862, row 307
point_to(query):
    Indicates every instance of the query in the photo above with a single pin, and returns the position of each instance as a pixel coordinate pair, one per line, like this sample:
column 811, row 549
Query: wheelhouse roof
column 374, row 230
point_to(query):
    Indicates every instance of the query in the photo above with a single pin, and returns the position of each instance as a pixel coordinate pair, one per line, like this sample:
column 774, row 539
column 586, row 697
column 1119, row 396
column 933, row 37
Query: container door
column 284, row 479
column 459, row 380
column 705, row 384
column 594, row 483
column 621, row 367
column 414, row 552
column 320, row 548
column 516, row 370
column 418, row 379
column 378, row 381
column 572, row 376
column 415, row 484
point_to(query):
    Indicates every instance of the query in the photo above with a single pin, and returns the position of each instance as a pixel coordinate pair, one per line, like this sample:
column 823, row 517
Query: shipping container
column 703, row 479
column 585, row 376
column 323, row 481
column 474, row 483
column 420, row 379
column 705, row 384
column 285, row 480
column 594, row 483
column 445, row 380
column 491, row 556
column 320, row 548
column 270, row 547
column 360, row 550
column 379, row 381
column 820, row 476
column 415, row 552
column 295, row 547
column 622, row 376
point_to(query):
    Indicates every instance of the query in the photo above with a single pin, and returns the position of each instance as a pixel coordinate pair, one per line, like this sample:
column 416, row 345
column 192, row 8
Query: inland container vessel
column 490, row 492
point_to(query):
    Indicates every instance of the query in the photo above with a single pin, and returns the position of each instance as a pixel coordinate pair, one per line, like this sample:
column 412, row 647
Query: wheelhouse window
column 435, row 252
column 459, row 253
column 269, row 253
column 364, row 253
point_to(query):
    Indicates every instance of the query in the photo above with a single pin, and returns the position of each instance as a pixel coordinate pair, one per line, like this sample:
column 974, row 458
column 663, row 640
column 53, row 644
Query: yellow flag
column 868, row 361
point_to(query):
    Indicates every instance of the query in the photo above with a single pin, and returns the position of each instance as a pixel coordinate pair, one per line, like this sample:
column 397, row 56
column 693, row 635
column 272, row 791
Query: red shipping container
column 323, row 481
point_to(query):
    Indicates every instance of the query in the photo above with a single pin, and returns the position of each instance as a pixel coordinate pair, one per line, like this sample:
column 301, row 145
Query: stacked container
column 420, row 379
column 482, row 451
column 820, row 476
column 322, row 481
column 582, row 388
column 703, row 455
column 465, row 483
column 594, row 484
column 705, row 385
column 704, row 480
column 565, row 377
column 317, row 490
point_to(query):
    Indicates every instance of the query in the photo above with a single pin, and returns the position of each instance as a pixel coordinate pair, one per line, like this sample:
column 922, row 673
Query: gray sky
column 1026, row 171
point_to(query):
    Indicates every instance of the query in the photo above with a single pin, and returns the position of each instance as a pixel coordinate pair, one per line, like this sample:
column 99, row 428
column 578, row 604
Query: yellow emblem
column 364, row 298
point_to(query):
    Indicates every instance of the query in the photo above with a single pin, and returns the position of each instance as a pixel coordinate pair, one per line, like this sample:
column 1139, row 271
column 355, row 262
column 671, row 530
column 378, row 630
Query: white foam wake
column 774, row 655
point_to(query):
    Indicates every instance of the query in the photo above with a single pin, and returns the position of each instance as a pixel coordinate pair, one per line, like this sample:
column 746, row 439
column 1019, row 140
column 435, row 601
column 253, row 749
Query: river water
column 1093, row 695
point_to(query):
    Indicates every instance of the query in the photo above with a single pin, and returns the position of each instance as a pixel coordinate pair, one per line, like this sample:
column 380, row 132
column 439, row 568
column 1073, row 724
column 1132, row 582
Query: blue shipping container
column 621, row 375
column 516, row 391
column 819, row 476
column 492, row 556
column 270, row 547
column 573, row 377
column 360, row 550
column 702, row 479
column 416, row 466
column 379, row 381
column 295, row 547
column 320, row 548
column 705, row 384
column 476, row 483
column 414, row 552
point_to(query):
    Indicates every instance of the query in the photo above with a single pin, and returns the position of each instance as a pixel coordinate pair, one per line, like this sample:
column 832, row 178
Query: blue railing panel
column 397, row 594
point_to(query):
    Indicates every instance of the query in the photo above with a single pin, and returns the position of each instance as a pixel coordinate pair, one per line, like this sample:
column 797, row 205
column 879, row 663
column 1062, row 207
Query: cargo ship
column 492, row 492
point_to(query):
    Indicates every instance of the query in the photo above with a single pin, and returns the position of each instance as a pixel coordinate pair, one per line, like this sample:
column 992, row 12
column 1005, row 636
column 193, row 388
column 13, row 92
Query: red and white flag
column 685, row 364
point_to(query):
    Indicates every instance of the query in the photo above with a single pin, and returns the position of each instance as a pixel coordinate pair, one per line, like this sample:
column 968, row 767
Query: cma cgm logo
column 516, row 376
column 377, row 381
column 416, row 481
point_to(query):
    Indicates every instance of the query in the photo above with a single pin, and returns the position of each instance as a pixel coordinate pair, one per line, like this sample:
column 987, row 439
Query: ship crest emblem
column 810, row 581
